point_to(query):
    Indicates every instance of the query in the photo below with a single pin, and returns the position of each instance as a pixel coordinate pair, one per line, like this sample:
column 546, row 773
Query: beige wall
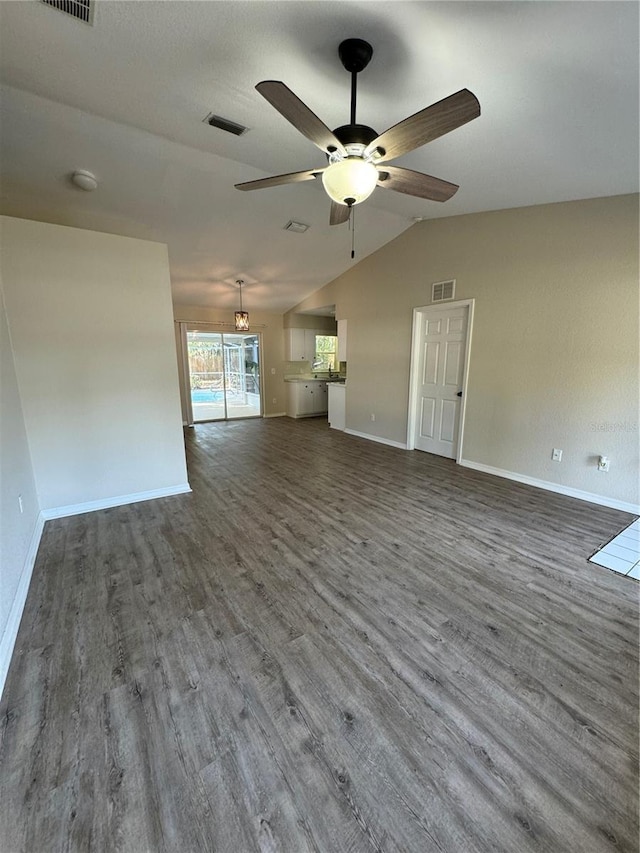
column 270, row 327
column 91, row 326
column 554, row 358
column 17, row 528
column 310, row 321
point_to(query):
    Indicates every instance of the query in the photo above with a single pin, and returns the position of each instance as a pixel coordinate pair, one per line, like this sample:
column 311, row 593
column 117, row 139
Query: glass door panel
column 242, row 375
column 224, row 371
column 206, row 372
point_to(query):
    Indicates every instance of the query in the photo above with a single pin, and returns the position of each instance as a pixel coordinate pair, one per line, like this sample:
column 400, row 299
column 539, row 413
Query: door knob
column 459, row 394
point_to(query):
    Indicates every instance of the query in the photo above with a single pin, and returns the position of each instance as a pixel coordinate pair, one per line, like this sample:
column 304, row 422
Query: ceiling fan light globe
column 350, row 181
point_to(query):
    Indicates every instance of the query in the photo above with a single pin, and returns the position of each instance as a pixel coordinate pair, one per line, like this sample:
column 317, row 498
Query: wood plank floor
column 332, row 646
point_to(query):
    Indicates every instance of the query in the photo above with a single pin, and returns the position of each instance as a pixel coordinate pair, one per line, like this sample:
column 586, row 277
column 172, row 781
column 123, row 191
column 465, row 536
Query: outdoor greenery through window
column 326, row 352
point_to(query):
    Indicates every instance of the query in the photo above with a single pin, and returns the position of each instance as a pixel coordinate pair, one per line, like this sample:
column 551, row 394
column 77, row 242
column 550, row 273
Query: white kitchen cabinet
column 295, row 345
column 342, row 340
column 300, row 344
column 322, row 398
column 306, row 399
column 337, row 407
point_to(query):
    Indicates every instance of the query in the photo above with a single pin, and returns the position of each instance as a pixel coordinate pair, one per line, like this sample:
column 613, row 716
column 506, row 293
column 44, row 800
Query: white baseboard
column 376, row 438
column 307, row 417
column 570, row 492
column 120, row 500
column 10, row 632
column 276, row 415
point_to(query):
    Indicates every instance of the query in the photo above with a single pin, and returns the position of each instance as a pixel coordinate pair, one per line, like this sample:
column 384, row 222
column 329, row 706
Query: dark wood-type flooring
column 332, row 646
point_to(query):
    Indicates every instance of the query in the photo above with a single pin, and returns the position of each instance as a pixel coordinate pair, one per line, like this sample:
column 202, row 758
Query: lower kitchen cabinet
column 337, row 414
column 306, row 399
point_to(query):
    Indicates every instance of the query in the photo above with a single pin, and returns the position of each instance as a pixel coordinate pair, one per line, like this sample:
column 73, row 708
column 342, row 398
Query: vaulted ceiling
column 125, row 98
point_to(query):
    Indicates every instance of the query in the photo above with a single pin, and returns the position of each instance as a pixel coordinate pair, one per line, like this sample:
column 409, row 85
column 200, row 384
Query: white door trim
column 419, row 316
column 184, row 371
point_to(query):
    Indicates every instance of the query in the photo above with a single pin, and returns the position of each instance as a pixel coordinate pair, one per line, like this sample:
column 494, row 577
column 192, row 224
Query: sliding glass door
column 224, row 375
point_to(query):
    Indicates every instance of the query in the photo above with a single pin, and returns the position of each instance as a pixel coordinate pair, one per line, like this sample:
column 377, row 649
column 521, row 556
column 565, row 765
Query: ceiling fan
column 357, row 156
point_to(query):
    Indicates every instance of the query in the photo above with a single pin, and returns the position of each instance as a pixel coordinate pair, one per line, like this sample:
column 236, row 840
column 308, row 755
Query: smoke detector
column 84, row 180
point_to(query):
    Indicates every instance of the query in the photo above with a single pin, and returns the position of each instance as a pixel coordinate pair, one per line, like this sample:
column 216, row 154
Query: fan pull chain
column 352, row 225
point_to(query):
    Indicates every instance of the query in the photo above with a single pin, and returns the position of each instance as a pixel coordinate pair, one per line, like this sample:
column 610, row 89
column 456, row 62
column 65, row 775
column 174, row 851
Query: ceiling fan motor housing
column 355, row 134
column 355, row 138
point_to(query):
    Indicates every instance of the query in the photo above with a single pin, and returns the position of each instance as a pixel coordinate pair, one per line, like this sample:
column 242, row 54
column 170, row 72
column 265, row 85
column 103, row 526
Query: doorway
column 224, row 375
column 439, row 374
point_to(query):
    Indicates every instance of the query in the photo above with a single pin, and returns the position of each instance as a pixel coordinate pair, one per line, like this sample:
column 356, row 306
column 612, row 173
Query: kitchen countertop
column 300, row 377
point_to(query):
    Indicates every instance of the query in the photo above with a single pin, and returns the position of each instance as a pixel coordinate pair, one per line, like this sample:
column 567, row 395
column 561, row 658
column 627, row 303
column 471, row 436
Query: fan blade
column 339, row 213
column 415, row 183
column 427, row 125
column 278, row 180
column 299, row 115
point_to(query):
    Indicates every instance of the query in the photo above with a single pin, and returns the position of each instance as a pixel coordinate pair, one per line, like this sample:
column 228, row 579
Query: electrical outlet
column 603, row 463
column 275, row 400
column 273, row 371
column 373, row 416
column 556, row 455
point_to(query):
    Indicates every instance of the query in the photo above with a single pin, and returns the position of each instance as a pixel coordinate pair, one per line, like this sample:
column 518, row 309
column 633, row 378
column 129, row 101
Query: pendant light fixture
column 242, row 317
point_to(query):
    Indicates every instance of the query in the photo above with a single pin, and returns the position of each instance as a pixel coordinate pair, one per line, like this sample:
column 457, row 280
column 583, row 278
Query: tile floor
column 622, row 554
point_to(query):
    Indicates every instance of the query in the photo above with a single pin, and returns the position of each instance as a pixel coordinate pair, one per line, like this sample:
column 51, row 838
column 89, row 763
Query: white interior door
column 440, row 373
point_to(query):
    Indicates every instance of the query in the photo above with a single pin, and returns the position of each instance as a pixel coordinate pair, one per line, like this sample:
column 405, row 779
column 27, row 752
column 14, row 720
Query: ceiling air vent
column 443, row 290
column 296, row 227
column 225, row 124
column 80, row 9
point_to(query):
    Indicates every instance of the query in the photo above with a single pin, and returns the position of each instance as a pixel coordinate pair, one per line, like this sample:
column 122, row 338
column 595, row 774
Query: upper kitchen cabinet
column 311, row 345
column 300, row 344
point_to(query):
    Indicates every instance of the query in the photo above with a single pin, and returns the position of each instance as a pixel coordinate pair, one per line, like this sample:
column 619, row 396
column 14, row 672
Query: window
column 326, row 346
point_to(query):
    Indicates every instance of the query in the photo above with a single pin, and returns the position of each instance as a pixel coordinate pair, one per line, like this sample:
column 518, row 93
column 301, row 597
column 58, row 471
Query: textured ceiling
column 125, row 99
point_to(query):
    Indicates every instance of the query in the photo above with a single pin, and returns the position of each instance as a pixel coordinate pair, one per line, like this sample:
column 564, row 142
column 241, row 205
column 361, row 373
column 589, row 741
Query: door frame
column 419, row 317
column 185, row 378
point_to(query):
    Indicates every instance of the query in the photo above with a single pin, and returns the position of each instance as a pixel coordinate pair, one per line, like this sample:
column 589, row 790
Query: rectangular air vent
column 296, row 227
column 225, row 124
column 441, row 291
column 80, row 9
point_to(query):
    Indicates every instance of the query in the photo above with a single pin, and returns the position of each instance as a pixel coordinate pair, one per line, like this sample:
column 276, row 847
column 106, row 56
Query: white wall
column 554, row 358
column 92, row 330
column 19, row 531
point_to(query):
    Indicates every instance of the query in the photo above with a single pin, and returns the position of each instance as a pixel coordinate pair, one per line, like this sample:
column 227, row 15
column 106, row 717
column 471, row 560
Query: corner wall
column 554, row 356
column 92, row 333
column 19, row 530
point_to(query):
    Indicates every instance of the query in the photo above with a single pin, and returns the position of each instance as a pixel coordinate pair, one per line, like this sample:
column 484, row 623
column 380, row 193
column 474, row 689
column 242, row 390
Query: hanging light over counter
column 242, row 317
